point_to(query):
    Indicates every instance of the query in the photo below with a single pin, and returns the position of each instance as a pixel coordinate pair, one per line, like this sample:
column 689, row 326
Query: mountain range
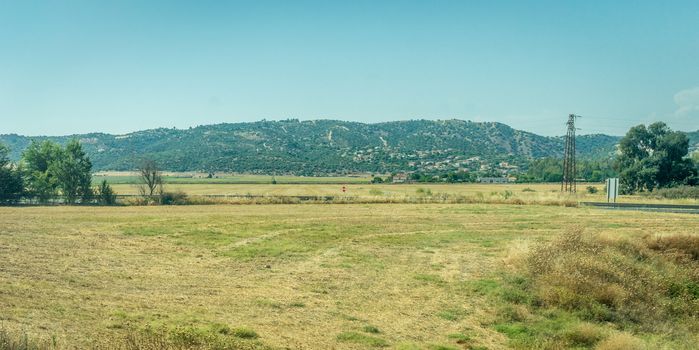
column 318, row 147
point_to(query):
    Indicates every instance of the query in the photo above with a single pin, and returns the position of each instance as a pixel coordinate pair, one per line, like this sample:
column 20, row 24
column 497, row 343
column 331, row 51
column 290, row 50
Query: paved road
column 663, row 208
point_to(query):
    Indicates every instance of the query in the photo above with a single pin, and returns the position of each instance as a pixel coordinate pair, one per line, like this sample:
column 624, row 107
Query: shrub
column 573, row 290
column 528, row 190
column 592, row 189
column 105, row 194
column 680, row 192
column 599, row 279
column 173, row 198
column 681, row 245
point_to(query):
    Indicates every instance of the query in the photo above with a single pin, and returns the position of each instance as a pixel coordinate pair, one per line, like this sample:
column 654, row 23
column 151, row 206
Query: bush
column 105, row 194
column 173, row 198
column 599, row 279
column 576, row 289
column 681, row 192
column 680, row 246
column 592, row 189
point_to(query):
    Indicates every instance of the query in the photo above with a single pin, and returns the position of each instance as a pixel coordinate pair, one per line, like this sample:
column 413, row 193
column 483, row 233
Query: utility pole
column 569, row 170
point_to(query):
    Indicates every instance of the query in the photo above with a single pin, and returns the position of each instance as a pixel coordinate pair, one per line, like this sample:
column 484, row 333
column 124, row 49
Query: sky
column 77, row 66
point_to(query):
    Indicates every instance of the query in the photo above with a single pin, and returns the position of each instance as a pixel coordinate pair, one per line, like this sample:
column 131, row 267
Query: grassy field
column 198, row 178
column 288, row 276
column 126, row 183
column 480, row 192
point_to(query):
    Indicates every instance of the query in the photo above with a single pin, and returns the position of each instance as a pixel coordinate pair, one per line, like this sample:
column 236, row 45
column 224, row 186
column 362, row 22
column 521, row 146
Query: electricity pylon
column 569, row 169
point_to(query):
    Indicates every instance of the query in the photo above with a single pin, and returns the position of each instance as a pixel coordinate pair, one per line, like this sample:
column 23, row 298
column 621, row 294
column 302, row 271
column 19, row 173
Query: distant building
column 493, row 180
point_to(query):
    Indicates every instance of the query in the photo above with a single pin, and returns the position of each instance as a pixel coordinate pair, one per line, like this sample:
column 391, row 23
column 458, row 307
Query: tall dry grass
column 437, row 198
column 647, row 282
column 645, row 285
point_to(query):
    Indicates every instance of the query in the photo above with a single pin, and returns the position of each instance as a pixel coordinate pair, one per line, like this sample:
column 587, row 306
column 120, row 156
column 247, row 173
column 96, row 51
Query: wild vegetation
column 594, row 289
column 46, row 170
column 11, row 182
column 49, row 172
column 401, row 276
column 655, row 157
column 551, row 170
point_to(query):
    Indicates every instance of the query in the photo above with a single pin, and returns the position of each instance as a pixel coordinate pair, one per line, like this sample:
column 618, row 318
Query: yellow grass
column 300, row 276
column 526, row 192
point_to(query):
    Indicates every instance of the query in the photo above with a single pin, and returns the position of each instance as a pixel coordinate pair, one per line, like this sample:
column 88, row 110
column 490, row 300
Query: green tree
column 105, row 194
column 73, row 173
column 51, row 169
column 37, row 161
column 654, row 157
column 11, row 184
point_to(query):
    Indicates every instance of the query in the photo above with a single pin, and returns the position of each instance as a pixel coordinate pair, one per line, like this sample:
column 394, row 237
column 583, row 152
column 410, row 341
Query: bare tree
column 150, row 177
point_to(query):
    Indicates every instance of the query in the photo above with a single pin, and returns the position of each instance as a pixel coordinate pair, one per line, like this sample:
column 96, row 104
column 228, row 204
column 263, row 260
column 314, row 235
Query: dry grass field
column 127, row 177
column 287, row 276
column 530, row 193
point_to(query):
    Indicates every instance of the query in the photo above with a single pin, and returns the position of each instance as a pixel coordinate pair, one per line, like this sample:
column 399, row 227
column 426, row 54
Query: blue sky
column 119, row 66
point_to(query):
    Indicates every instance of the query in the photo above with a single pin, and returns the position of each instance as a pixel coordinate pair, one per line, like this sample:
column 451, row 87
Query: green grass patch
column 451, row 314
column 362, row 339
column 442, row 347
column 371, row 329
column 484, row 286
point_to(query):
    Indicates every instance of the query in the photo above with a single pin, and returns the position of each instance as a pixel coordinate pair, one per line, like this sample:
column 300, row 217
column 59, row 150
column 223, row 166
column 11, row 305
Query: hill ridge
column 324, row 146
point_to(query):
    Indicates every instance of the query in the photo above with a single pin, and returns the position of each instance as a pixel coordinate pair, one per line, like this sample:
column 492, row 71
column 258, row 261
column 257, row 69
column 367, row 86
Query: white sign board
column 612, row 190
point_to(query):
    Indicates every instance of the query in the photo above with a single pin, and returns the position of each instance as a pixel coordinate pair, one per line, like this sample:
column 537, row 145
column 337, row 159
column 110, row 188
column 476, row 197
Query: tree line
column 48, row 170
column 655, row 157
column 551, row 170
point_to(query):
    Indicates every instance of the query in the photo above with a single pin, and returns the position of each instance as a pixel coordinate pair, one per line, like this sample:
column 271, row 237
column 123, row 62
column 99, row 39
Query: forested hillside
column 326, row 146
